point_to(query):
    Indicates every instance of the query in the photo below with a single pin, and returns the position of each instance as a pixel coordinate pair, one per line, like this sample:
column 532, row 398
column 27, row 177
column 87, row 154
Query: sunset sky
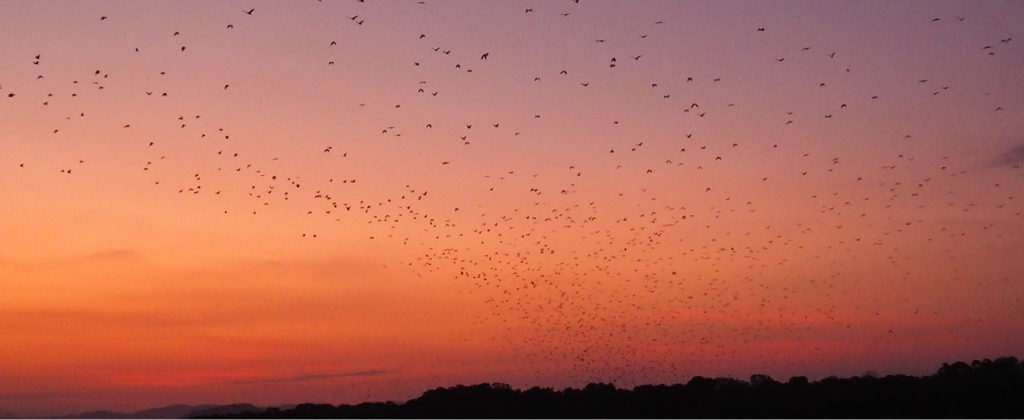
column 341, row 201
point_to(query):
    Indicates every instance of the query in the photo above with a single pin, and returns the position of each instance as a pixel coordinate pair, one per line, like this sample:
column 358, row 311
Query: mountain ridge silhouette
column 175, row 411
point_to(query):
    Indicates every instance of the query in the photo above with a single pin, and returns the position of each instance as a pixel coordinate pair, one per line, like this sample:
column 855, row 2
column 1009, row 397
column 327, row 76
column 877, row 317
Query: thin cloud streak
column 1014, row 156
column 36, row 395
column 313, row 377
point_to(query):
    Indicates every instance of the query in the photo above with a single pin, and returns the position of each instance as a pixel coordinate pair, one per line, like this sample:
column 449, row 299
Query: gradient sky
column 273, row 212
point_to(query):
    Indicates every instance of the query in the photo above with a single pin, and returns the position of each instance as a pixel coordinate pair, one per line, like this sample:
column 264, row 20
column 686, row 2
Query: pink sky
column 846, row 195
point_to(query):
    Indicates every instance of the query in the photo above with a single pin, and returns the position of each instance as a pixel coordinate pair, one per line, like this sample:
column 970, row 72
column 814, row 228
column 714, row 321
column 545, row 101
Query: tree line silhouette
column 981, row 389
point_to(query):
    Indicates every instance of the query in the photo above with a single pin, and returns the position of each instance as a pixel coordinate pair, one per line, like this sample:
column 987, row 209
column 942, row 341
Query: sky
column 343, row 201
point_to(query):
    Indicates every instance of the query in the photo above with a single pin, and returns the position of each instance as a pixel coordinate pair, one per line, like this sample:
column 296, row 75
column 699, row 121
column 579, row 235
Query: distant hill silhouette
column 179, row 411
column 233, row 409
column 985, row 388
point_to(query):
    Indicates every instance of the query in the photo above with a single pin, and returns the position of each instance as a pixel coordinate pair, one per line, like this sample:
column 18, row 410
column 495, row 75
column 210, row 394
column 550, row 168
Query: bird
column 248, row 12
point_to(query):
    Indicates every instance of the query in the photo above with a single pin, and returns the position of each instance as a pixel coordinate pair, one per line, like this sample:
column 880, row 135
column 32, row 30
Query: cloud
column 115, row 254
column 312, row 377
column 110, row 256
column 1014, row 156
column 36, row 395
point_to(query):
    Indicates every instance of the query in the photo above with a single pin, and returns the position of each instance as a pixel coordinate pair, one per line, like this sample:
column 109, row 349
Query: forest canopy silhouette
column 980, row 389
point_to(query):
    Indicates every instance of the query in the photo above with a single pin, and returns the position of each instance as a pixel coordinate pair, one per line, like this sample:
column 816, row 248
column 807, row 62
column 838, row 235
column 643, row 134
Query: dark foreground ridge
column 981, row 389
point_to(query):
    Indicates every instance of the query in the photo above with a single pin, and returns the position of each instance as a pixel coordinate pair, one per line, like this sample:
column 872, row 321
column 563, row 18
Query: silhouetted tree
column 982, row 389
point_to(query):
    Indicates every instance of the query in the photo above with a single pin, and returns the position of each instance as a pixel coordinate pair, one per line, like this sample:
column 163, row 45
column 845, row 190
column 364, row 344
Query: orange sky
column 845, row 196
